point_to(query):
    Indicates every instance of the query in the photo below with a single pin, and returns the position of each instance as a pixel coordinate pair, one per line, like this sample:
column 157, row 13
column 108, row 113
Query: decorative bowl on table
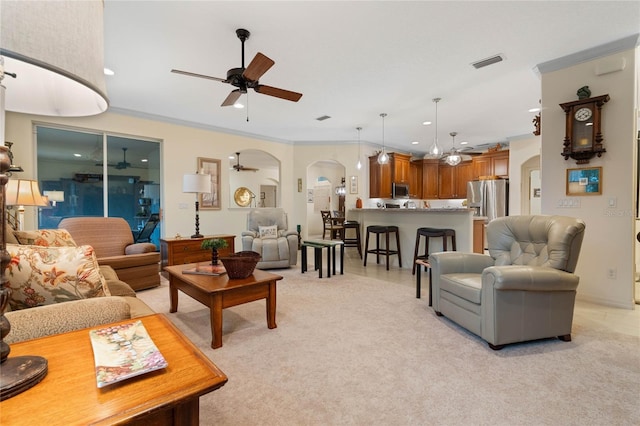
column 240, row 264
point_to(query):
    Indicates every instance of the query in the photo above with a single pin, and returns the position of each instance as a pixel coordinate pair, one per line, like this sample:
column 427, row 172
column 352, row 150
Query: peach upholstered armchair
column 523, row 290
column 136, row 264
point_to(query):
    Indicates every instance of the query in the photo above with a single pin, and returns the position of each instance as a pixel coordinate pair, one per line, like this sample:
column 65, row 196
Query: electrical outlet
column 613, row 202
column 612, row 273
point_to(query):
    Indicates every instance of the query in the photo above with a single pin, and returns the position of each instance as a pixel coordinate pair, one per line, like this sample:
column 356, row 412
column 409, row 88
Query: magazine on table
column 214, row 270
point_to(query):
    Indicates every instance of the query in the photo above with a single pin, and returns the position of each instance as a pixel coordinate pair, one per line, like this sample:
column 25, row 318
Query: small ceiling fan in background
column 247, row 78
column 240, row 168
column 121, row 165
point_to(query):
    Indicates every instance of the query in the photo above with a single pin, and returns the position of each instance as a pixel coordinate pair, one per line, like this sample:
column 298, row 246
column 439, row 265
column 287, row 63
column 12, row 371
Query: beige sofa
column 137, row 264
column 58, row 318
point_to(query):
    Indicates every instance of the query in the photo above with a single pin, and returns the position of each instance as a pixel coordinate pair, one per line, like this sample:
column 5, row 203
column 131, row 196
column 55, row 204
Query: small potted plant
column 214, row 244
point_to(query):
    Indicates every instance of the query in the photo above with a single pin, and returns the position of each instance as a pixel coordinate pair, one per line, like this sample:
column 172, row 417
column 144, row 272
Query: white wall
column 610, row 233
column 520, row 150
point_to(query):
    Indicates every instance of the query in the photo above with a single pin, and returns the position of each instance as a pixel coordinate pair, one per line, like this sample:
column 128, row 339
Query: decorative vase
column 214, row 256
column 358, row 203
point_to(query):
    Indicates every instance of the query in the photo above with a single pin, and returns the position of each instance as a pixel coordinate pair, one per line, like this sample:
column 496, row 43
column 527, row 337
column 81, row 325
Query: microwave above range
column 399, row 190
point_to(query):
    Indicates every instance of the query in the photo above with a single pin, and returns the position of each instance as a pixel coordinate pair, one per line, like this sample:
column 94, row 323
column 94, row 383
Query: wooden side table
column 179, row 251
column 69, row 393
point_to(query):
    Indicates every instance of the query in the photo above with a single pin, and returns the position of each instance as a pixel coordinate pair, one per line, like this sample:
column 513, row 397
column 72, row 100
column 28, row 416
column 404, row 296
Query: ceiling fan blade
column 278, row 93
column 258, row 66
column 232, row 98
column 192, row 74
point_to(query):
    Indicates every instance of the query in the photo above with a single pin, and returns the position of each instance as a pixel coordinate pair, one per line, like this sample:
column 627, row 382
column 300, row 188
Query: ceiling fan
column 240, row 168
column 121, row 165
column 247, row 78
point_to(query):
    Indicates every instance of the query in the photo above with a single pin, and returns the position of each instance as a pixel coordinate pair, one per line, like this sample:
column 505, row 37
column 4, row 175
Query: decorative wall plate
column 242, row 196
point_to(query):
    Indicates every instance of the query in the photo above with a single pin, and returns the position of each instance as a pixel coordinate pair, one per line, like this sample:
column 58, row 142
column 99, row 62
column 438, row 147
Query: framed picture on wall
column 587, row 181
column 211, row 200
column 353, row 185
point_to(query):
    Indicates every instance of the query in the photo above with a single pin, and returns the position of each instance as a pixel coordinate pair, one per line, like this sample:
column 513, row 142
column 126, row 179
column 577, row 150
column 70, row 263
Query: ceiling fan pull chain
column 247, row 107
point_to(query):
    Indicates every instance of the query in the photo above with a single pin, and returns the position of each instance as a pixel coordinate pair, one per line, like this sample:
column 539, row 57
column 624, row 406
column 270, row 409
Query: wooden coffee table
column 219, row 292
column 68, row 395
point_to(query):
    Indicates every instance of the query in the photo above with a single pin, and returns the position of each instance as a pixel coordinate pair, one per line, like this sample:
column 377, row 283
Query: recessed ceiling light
column 238, row 105
column 231, row 157
column 534, row 110
column 426, row 123
column 144, row 160
column 108, row 71
column 415, row 143
column 77, row 155
column 464, row 143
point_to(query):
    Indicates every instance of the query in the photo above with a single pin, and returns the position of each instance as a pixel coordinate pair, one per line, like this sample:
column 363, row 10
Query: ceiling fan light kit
column 247, row 78
column 454, row 158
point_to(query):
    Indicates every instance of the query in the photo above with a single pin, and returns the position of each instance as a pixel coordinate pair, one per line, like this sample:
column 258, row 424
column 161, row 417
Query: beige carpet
column 353, row 350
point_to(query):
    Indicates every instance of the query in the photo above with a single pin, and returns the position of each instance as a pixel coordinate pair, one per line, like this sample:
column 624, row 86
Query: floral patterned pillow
column 46, row 237
column 40, row 275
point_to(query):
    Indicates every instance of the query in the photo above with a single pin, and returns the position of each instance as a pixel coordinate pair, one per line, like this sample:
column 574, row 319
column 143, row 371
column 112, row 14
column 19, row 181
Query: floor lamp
column 54, row 54
column 196, row 184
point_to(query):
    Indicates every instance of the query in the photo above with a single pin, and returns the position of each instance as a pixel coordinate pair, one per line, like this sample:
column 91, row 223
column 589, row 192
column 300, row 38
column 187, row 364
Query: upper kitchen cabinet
column 452, row 180
column 415, row 181
column 398, row 170
column 494, row 163
column 430, row 179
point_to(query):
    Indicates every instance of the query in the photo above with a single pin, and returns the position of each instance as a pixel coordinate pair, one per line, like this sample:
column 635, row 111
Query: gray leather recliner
column 279, row 252
column 523, row 290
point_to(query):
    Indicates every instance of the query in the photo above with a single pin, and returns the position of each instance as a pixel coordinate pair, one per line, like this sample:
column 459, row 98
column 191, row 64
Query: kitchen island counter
column 409, row 220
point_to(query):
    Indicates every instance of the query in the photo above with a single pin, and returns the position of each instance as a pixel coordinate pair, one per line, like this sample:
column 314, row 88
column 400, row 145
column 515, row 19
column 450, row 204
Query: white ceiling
column 353, row 61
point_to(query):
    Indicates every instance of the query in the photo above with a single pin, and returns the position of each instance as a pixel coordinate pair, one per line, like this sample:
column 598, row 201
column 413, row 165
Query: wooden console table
column 69, row 394
column 179, row 251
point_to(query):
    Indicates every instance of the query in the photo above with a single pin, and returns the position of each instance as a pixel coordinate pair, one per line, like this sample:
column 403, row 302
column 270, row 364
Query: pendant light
column 454, row 158
column 359, row 164
column 383, row 157
column 435, row 152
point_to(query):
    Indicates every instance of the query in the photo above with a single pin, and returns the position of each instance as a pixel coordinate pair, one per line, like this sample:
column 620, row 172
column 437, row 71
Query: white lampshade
column 196, row 183
column 24, row 192
column 56, row 48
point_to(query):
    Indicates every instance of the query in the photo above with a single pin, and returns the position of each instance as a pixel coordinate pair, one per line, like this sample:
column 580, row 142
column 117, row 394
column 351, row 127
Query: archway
column 324, row 177
column 531, row 186
column 258, row 174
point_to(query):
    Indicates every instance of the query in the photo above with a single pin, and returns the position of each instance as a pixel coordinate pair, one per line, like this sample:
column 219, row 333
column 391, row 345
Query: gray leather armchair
column 278, row 249
column 523, row 290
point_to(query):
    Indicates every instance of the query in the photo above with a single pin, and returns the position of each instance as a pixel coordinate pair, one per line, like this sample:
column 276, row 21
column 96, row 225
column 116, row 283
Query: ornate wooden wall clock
column 583, row 138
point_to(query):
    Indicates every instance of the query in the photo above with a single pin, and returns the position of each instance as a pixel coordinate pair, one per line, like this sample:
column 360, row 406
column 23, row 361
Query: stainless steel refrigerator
column 489, row 198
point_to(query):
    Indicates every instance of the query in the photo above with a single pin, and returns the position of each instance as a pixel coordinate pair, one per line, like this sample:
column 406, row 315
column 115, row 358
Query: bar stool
column 352, row 242
column 431, row 233
column 386, row 230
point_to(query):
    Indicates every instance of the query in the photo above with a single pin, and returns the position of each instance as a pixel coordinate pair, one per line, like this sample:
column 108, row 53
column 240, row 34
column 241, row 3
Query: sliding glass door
column 87, row 173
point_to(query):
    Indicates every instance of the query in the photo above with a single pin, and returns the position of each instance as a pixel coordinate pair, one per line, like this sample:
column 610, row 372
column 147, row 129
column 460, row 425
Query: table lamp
column 54, row 196
column 23, row 192
column 54, row 54
column 196, row 184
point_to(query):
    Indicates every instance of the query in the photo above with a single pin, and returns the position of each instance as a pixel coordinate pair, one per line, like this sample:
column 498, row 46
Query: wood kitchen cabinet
column 452, row 180
column 379, row 178
column 415, row 181
column 491, row 164
column 398, row 169
column 430, row 179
